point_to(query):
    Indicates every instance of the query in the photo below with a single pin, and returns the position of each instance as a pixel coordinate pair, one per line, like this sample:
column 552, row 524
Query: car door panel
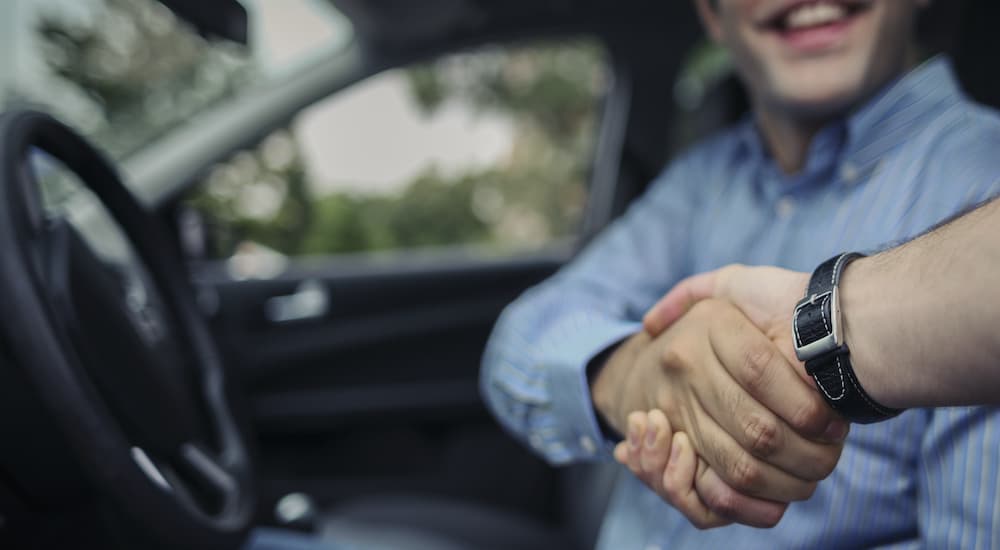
column 381, row 391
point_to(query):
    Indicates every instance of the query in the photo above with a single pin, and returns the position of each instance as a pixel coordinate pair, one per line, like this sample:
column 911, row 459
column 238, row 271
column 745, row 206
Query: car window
column 126, row 72
column 488, row 150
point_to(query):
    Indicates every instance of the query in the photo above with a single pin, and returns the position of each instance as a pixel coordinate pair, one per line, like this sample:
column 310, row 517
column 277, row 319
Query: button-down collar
column 849, row 150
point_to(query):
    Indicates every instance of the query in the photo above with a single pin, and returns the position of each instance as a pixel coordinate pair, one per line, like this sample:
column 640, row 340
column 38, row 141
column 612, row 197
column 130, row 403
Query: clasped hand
column 720, row 418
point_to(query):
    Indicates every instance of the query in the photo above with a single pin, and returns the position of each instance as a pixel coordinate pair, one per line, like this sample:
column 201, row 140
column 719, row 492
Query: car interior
column 153, row 397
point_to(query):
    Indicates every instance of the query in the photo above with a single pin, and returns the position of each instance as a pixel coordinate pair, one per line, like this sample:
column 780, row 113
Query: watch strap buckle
column 816, row 325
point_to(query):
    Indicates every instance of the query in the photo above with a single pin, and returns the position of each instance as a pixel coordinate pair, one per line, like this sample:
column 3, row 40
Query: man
column 851, row 145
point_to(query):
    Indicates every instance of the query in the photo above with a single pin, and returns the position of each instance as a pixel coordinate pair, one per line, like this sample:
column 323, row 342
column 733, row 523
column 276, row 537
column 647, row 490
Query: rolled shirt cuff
column 573, row 346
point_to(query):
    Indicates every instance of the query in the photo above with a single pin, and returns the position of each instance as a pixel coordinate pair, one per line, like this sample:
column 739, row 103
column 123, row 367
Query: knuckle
column 671, row 493
column 724, row 504
column 745, row 473
column 700, row 522
column 775, row 518
column 763, row 435
column 809, row 417
column 772, row 518
column 826, row 463
column 803, row 491
column 703, row 306
column 756, row 362
column 672, row 358
column 809, row 490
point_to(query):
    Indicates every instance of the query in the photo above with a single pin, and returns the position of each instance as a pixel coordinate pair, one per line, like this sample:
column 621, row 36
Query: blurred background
column 487, row 149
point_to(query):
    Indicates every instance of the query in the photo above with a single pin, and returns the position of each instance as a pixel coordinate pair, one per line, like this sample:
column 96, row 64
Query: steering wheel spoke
column 152, row 471
column 194, row 476
column 209, row 471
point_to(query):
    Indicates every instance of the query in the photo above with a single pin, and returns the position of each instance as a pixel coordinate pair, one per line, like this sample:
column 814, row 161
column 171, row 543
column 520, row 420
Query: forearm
column 923, row 320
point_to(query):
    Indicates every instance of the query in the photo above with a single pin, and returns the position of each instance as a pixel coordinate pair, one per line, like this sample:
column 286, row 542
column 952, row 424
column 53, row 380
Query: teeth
column 813, row 15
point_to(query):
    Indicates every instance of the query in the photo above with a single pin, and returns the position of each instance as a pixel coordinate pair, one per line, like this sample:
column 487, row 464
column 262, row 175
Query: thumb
column 675, row 303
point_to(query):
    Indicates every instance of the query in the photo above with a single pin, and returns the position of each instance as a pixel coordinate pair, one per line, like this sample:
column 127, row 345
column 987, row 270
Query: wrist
column 608, row 377
column 820, row 337
column 860, row 317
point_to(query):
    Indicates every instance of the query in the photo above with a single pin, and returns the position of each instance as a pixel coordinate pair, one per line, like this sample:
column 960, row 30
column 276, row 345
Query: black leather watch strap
column 834, row 375
column 819, row 342
column 827, row 275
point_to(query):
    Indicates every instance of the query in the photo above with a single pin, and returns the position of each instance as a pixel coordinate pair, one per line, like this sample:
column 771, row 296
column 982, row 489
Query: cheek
column 882, row 49
column 750, row 55
column 891, row 33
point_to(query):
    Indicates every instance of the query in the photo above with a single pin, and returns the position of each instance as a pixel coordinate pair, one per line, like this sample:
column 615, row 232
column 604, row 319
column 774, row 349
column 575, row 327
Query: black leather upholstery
column 423, row 522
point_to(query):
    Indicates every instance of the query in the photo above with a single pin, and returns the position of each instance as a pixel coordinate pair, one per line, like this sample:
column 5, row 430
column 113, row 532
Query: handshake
column 721, row 419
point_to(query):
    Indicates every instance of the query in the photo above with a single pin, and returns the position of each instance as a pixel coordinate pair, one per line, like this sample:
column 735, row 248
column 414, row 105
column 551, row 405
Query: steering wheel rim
column 144, row 486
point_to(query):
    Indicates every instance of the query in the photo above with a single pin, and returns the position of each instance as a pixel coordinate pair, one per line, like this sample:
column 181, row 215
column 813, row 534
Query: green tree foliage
column 144, row 72
column 139, row 68
column 553, row 86
column 550, row 93
column 260, row 195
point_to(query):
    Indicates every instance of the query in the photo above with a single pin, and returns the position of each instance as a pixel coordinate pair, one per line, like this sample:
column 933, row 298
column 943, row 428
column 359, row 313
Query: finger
column 760, row 368
column 675, row 303
column 655, row 449
column 729, row 504
column 679, row 485
column 767, row 437
column 744, row 472
column 621, row 453
column 636, row 432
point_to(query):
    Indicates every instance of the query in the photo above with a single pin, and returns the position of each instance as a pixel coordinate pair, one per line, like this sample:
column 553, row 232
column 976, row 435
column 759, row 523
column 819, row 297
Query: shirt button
column 653, row 547
column 536, row 441
column 588, row 445
column 785, row 207
column 849, row 173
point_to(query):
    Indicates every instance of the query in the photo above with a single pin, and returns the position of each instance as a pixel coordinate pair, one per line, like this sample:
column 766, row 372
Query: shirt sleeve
column 959, row 464
column 533, row 375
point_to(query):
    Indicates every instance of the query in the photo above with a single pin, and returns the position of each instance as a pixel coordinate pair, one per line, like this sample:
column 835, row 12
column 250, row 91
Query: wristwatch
column 819, row 342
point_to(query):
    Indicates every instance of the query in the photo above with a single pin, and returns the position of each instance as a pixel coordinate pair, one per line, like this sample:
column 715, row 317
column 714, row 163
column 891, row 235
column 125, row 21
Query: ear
column 709, row 15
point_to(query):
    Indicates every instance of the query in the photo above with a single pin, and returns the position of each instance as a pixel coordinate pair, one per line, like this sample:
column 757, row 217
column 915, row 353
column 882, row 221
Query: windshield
column 125, row 72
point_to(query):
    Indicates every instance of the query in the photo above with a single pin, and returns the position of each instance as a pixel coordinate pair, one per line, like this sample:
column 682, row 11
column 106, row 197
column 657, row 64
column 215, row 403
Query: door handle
column 311, row 300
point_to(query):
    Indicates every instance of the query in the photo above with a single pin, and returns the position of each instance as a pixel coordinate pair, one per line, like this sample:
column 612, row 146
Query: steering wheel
column 106, row 331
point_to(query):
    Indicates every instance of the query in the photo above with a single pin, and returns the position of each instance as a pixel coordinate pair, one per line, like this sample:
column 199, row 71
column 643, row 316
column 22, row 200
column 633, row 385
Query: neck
column 788, row 135
column 787, row 138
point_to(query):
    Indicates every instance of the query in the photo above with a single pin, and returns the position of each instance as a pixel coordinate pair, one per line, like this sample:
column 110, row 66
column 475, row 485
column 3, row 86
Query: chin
column 824, row 94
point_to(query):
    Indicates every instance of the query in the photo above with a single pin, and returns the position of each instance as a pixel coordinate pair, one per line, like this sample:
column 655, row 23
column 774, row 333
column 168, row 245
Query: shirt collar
column 887, row 120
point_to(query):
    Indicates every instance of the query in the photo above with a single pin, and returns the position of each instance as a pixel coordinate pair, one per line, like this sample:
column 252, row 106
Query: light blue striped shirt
column 913, row 155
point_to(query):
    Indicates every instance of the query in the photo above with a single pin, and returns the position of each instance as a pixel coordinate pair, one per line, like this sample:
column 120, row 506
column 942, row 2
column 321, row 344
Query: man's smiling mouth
column 811, row 14
column 814, row 24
